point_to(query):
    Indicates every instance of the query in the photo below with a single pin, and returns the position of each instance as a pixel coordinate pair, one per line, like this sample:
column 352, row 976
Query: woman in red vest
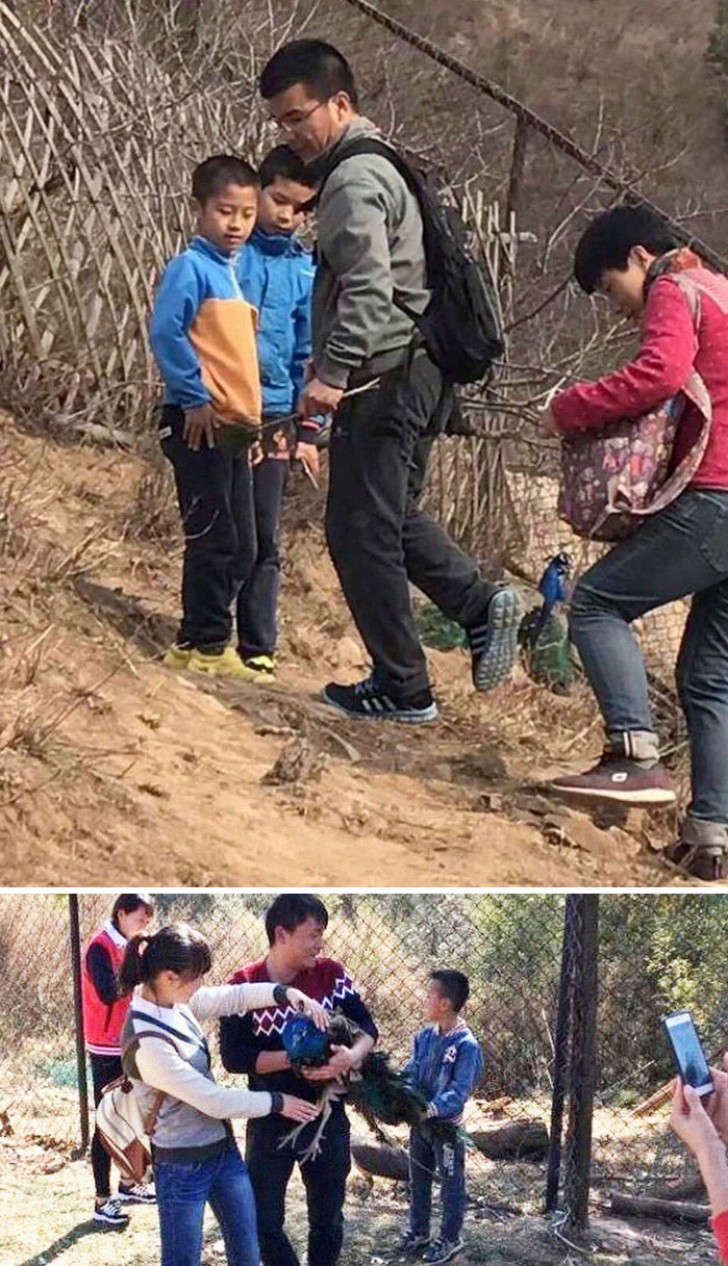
column 104, row 1014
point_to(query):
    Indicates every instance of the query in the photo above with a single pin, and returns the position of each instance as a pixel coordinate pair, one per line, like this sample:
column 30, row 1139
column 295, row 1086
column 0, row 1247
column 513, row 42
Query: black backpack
column 460, row 326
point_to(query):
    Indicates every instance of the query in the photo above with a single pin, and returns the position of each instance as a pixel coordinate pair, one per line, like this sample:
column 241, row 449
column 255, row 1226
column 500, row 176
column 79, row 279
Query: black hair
column 128, row 902
column 292, row 909
column 175, row 947
column 216, row 173
column 608, row 240
column 453, row 985
column 314, row 63
column 282, row 161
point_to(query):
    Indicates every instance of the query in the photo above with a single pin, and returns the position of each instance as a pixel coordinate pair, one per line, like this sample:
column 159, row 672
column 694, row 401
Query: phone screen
column 689, row 1054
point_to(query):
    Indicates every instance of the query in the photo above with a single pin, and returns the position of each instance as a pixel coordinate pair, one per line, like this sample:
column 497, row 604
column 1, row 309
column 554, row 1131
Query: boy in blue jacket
column 447, row 1064
column 203, row 339
column 276, row 275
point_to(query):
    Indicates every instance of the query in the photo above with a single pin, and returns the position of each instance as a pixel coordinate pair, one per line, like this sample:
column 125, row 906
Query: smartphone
column 688, row 1051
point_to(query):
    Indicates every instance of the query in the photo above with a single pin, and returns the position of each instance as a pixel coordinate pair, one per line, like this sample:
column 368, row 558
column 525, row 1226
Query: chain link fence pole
column 582, row 1077
column 560, row 1079
column 75, row 931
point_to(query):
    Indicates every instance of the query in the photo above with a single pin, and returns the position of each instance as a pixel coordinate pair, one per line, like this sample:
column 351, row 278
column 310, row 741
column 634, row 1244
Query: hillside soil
column 114, row 769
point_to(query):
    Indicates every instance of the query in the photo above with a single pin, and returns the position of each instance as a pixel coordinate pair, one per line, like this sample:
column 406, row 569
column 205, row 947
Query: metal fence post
column 75, row 930
column 561, row 1052
column 583, row 1070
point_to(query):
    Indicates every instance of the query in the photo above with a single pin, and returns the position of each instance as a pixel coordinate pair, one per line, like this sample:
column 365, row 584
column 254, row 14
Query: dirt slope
column 114, row 770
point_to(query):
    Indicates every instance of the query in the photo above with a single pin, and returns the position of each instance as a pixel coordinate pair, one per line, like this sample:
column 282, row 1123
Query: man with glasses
column 389, row 399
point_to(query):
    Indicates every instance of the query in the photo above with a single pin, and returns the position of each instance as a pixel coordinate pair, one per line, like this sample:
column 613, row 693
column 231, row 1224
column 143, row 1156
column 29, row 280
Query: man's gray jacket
column 369, row 249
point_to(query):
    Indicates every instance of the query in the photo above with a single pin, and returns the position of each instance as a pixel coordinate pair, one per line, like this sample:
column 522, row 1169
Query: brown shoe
column 617, row 779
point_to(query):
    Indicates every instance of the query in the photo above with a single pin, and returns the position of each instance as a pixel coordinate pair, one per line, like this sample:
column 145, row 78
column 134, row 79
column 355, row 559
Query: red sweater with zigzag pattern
column 243, row 1037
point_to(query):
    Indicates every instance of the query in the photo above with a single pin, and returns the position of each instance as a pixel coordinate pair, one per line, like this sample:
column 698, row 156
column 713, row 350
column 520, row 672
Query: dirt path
column 114, row 769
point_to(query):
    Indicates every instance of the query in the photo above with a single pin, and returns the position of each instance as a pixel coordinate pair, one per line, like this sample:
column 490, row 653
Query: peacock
column 376, row 1091
column 544, row 635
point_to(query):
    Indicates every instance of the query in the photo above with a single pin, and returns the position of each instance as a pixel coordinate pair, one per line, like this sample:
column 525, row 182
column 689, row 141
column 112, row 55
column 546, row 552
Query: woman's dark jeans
column 681, row 551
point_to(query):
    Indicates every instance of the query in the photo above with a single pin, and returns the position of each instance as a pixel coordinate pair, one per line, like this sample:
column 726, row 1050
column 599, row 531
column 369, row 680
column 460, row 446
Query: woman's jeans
column 184, row 1188
column 681, row 551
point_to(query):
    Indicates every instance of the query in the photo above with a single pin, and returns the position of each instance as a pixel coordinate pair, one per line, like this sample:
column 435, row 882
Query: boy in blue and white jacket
column 447, row 1064
column 276, row 276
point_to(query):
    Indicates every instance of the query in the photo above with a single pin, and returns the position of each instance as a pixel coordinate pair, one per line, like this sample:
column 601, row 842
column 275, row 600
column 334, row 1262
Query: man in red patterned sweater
column 295, row 924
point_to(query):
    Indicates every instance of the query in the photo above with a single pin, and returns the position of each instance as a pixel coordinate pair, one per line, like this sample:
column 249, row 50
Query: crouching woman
column 195, row 1155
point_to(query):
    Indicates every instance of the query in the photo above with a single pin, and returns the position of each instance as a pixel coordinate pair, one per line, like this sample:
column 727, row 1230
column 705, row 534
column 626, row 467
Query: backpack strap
column 378, row 149
column 152, row 1116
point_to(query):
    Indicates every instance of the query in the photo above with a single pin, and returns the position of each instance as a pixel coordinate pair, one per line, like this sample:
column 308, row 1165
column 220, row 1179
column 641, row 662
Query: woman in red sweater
column 629, row 255
column 104, row 1013
column 703, row 1128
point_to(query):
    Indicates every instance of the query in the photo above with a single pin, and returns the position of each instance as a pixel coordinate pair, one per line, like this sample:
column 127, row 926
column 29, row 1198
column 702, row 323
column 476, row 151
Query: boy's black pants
column 324, row 1178
column 215, row 497
column 379, row 539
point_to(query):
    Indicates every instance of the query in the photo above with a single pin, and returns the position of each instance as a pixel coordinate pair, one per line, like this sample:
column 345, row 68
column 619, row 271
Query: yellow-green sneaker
column 177, row 656
column 225, row 663
column 263, row 665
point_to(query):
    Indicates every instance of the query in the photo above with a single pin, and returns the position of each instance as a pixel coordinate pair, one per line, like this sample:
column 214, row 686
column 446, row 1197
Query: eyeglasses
column 293, row 121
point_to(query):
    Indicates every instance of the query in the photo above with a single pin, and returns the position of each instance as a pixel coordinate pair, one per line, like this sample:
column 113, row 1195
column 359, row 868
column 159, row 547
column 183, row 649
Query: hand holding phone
column 688, row 1052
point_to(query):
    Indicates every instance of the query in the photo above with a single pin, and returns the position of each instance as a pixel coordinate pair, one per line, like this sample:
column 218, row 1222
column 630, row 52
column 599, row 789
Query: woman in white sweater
column 196, row 1158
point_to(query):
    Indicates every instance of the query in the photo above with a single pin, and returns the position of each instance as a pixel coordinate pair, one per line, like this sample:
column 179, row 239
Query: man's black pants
column 324, row 1178
column 379, row 538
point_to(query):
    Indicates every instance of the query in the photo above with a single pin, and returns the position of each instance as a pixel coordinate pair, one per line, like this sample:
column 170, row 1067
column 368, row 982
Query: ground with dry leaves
column 113, row 768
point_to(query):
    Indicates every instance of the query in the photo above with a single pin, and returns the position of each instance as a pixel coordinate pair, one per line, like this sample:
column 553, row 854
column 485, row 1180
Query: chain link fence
column 533, row 978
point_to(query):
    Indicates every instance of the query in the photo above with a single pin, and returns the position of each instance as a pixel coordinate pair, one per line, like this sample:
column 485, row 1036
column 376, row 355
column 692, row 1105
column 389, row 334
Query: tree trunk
column 381, row 1162
column 520, row 1140
column 671, row 1210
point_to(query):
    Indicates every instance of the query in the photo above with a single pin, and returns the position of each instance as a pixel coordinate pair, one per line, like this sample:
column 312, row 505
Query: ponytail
column 176, row 947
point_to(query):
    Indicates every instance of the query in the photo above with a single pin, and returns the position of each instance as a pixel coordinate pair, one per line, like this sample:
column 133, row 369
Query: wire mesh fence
column 103, row 120
column 655, row 954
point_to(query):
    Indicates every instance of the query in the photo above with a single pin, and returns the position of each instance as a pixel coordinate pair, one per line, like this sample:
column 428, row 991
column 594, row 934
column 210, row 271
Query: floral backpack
column 612, row 479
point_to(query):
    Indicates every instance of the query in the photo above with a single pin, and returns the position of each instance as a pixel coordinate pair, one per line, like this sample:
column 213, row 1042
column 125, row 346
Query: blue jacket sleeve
column 466, row 1074
column 175, row 308
column 302, row 343
column 411, row 1067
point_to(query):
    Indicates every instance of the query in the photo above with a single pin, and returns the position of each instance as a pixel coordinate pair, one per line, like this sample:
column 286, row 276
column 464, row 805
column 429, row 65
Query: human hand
column 298, row 1109
column 690, row 1121
column 200, row 422
column 301, row 1002
column 308, row 454
column 318, row 397
column 341, row 1063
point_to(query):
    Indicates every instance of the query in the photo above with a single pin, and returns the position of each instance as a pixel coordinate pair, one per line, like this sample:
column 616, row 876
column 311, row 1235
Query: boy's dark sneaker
column 707, row 862
column 442, row 1251
column 411, row 1244
column 702, row 850
column 137, row 1193
column 494, row 642
column 110, row 1213
column 616, row 778
column 366, row 700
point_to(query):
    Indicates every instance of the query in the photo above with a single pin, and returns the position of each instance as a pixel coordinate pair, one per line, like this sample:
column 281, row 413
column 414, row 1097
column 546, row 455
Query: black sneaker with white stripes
column 442, row 1251
column 110, row 1213
column 368, row 701
column 494, row 641
column 411, row 1245
column 137, row 1193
